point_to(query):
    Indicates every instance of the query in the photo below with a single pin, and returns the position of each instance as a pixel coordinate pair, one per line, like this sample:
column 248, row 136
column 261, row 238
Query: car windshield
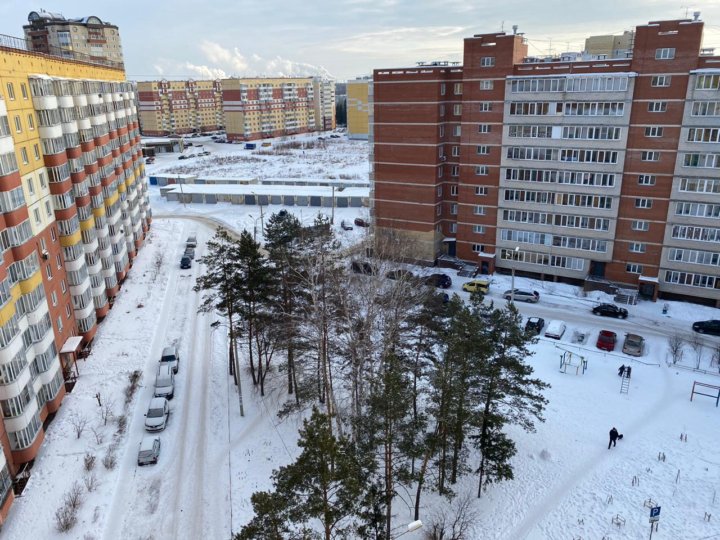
column 155, row 413
column 633, row 341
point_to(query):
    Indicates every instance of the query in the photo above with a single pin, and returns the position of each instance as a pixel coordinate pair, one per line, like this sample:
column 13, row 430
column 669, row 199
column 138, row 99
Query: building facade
column 84, row 38
column 179, row 107
column 324, row 90
column 358, row 108
column 574, row 170
column 73, row 213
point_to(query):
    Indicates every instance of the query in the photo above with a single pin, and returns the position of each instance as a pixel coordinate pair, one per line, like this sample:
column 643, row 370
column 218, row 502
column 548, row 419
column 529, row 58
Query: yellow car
column 473, row 285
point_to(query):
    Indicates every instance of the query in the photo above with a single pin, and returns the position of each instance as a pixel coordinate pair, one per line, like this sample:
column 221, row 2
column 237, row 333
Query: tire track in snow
column 555, row 497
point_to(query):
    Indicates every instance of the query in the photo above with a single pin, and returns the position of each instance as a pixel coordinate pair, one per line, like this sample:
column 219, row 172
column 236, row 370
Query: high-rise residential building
column 324, row 90
column 358, row 108
column 179, row 107
column 84, row 38
column 609, row 46
column 605, row 169
column 73, row 213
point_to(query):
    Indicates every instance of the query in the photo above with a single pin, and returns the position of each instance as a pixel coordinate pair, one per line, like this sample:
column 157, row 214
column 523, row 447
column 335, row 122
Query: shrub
column 65, row 518
column 89, row 461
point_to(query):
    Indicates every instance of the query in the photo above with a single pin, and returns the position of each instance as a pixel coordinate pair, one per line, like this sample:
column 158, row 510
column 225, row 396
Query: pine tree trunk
column 458, row 439
column 291, row 369
column 483, row 437
column 250, row 352
column 421, row 475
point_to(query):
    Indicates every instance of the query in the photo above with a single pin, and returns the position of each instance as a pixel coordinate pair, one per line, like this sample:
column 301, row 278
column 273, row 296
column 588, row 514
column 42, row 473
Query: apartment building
column 324, row 90
column 358, row 108
column 83, row 38
column 590, row 169
column 73, row 213
column 179, row 107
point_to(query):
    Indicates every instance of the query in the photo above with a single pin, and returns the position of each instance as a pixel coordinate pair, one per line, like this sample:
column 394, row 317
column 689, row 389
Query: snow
column 567, row 483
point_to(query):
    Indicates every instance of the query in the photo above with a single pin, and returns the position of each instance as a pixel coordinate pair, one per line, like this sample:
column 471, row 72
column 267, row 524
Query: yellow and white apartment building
column 73, row 213
column 179, row 107
column 358, row 108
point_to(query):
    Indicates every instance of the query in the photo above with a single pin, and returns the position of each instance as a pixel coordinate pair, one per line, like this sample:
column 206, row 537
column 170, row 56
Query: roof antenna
column 696, row 15
column 502, row 26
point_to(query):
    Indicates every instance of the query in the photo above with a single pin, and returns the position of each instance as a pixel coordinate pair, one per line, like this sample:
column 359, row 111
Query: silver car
column 149, row 451
column 157, row 414
column 522, row 295
column 633, row 345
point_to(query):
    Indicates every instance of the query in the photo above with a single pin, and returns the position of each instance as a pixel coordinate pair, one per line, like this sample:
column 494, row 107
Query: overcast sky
column 342, row 38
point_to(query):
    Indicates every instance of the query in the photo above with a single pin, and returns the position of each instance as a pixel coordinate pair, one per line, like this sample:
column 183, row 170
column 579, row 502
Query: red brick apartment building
column 568, row 169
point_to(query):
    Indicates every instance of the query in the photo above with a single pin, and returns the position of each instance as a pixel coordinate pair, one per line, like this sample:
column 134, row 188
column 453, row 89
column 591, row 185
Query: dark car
column 345, row 226
column 185, row 262
column 189, row 252
column 610, row 310
column 360, row 267
column 182, row 157
column 360, row 222
column 405, row 275
column 439, row 280
column 711, row 327
column 606, row 340
column 535, row 324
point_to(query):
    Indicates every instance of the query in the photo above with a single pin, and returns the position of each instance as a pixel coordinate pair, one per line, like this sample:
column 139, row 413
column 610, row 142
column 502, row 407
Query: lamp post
column 255, row 220
column 262, row 221
column 512, row 273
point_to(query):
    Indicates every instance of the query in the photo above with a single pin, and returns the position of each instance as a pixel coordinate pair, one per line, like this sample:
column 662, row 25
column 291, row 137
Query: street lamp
column 255, row 220
column 257, row 199
column 412, row 526
column 512, row 273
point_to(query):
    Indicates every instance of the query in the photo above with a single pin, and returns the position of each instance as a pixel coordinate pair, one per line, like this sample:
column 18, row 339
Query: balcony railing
column 22, row 44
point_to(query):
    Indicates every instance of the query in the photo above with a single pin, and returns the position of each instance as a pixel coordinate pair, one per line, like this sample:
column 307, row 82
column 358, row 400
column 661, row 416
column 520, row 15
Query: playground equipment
column 569, row 360
column 702, row 386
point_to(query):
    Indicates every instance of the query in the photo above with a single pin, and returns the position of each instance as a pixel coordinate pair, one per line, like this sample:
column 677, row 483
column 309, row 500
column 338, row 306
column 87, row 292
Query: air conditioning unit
column 45, row 254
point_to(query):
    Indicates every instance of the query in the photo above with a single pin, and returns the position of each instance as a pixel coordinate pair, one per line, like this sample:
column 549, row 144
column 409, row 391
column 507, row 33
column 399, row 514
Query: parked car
column 555, row 329
column 250, row 146
column 634, row 345
column 185, row 262
column 610, row 310
column 334, row 136
column 191, row 241
column 360, row 222
column 482, row 285
column 606, row 340
column 190, row 252
column 345, row 226
column 439, row 280
column 164, row 381
column 149, row 451
column 171, row 357
column 535, row 324
column 522, row 295
column 183, row 156
column 157, row 414
column 400, row 274
column 150, row 160
column 711, row 327
column 362, row 267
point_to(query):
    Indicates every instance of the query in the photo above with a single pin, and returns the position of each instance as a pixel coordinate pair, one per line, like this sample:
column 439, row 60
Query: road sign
column 654, row 514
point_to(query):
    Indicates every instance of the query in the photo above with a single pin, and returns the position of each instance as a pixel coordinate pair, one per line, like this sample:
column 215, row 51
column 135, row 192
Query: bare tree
column 91, row 482
column 65, row 518
column 676, row 344
column 454, row 521
column 89, row 461
column 106, row 411
column 74, row 498
column 78, row 422
column 99, row 435
column 715, row 361
column 696, row 342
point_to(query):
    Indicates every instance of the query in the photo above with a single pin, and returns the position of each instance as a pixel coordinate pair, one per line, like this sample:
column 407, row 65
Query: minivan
column 171, row 357
column 165, row 381
column 555, row 329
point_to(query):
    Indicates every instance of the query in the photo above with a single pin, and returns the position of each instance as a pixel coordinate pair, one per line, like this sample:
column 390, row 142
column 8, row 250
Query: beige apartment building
column 358, row 108
column 179, row 107
column 83, row 38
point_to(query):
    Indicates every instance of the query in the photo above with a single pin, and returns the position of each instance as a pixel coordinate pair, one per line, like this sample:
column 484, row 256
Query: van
column 164, row 381
column 191, row 241
column 250, row 146
column 555, row 329
column 171, row 357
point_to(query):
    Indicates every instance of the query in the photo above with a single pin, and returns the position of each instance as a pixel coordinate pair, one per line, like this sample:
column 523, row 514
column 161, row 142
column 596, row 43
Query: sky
column 342, row 39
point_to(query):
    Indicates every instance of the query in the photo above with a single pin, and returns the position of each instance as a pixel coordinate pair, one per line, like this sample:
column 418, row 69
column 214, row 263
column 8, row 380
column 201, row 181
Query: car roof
column 170, row 349
column 608, row 333
column 157, row 403
column 634, row 336
column 148, row 442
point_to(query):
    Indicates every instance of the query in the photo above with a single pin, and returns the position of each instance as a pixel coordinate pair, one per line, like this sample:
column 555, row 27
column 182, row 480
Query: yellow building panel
column 74, row 238
column 111, row 200
column 88, row 224
column 98, row 212
column 31, row 283
column 121, row 187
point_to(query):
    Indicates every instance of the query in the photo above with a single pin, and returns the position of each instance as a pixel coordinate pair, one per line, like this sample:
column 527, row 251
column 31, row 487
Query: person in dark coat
column 621, row 370
column 628, row 371
column 613, row 437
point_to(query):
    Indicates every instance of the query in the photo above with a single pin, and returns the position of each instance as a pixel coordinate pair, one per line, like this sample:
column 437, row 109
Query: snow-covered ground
column 567, row 483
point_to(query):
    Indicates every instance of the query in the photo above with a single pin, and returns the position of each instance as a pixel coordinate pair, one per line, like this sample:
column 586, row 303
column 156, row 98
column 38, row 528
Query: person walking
column 621, row 370
column 613, row 437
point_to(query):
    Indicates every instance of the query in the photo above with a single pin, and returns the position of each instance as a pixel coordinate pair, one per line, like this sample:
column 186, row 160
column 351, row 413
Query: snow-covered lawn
column 567, row 483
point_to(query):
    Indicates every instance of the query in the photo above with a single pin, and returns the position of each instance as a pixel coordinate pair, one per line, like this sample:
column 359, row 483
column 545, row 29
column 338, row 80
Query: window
column 657, row 106
column 438, row 191
column 478, row 248
column 457, row 130
column 48, row 271
column 637, row 247
column 36, row 215
column 440, row 171
column 654, row 131
column 68, row 311
column 633, row 268
column 481, row 170
column 660, row 80
column 18, row 124
column 481, row 190
column 487, row 84
column 665, row 54
column 639, row 225
column 31, row 122
column 11, row 91
column 649, row 156
column 455, row 151
column 453, row 228
column 455, row 170
column 63, row 287
column 483, row 128
column 23, row 90
column 24, row 156
column 479, row 210
column 442, row 89
column 453, row 189
column 31, row 186
column 485, row 106
column 59, row 323
column 483, row 150
column 48, row 208
column 53, row 298
column 53, row 235
column 646, row 179
column 643, row 203
column 457, row 89
column 487, row 61
column 442, row 130
column 36, row 152
column 457, row 109
column 442, row 110
column 453, row 209
column 479, row 229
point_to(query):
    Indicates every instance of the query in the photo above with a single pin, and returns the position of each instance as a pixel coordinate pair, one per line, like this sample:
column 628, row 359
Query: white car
column 157, row 414
column 149, row 451
column 555, row 329
column 522, row 295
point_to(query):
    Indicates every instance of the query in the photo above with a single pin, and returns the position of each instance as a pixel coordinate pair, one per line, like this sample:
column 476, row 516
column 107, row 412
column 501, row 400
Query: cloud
column 205, row 72
column 159, row 69
column 404, row 41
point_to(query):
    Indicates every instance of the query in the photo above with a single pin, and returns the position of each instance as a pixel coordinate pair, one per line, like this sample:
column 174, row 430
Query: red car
column 606, row 340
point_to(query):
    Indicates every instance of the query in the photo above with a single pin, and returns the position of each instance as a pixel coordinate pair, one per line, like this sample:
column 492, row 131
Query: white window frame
column 454, row 190
column 654, row 131
column 482, row 150
column 487, row 61
column 640, row 225
column 487, row 84
column 646, row 179
column 633, row 268
column 643, row 203
column 665, row 53
column 637, row 247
